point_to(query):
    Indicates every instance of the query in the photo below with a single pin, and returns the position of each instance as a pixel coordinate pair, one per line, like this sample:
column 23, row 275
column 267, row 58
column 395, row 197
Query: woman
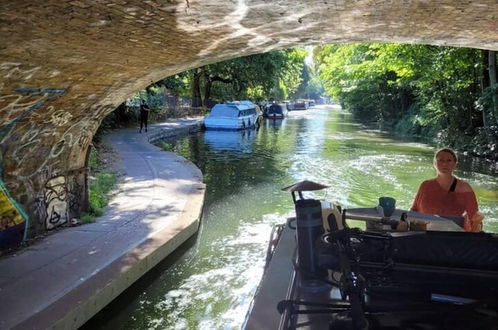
column 446, row 195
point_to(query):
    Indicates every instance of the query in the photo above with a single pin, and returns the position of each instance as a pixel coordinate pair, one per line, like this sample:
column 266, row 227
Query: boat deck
column 406, row 297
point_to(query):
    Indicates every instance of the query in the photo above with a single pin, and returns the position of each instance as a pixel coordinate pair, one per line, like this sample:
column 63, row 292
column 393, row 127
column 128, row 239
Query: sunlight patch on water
column 219, row 296
column 380, row 166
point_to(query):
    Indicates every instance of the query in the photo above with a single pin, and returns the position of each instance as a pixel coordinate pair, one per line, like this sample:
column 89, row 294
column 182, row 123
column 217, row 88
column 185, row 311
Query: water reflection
column 276, row 124
column 240, row 141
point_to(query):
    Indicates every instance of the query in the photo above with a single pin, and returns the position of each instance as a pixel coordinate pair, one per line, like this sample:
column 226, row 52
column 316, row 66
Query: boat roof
column 231, row 109
column 304, row 186
column 280, row 105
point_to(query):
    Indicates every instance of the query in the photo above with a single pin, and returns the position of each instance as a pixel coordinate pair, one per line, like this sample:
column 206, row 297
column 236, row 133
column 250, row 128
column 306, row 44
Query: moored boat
column 232, row 116
column 322, row 274
column 300, row 104
column 276, row 111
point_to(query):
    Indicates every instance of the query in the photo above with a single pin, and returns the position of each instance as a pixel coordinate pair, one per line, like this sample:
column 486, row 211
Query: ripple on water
column 217, row 297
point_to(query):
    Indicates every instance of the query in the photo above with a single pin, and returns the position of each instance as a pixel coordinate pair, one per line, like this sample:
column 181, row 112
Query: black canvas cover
column 477, row 251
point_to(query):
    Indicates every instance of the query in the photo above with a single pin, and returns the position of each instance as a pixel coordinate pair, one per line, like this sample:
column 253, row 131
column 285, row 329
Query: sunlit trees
column 415, row 89
column 257, row 77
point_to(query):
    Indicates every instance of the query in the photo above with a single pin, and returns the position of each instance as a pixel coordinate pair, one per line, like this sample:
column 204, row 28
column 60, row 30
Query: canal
column 210, row 281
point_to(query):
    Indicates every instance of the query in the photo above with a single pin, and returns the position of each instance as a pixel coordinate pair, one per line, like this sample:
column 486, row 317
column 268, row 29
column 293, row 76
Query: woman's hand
column 476, row 222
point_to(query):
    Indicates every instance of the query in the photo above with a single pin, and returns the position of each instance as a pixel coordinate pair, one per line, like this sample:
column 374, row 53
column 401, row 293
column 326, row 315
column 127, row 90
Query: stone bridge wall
column 66, row 64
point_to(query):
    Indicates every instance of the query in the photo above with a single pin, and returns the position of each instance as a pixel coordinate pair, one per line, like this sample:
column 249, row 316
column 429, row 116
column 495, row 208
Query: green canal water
column 210, row 281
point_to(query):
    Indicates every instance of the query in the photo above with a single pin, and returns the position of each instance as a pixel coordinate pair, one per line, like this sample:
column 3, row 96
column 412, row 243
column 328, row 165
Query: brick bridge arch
column 65, row 64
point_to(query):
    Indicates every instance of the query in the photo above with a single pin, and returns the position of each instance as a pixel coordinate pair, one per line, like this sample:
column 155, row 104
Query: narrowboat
column 233, row 116
column 300, row 104
column 413, row 271
column 276, row 111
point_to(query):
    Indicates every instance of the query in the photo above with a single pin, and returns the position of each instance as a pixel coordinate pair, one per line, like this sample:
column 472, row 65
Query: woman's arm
column 472, row 217
column 416, row 201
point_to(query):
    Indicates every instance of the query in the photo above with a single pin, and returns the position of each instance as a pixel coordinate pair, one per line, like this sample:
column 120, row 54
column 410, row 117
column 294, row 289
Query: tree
column 493, row 82
column 256, row 77
column 195, row 78
column 415, row 88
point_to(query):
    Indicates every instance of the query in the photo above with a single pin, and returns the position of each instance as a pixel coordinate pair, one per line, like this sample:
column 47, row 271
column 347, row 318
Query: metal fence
column 164, row 105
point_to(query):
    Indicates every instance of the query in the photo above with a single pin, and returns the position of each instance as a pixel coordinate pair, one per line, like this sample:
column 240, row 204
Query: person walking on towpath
column 144, row 115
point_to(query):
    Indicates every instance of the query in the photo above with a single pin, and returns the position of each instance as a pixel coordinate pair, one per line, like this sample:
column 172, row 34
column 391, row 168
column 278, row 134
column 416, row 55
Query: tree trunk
column 196, row 88
column 487, row 114
column 207, row 89
column 492, row 82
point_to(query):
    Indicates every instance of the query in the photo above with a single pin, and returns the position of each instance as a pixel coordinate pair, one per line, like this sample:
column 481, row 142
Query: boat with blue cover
column 233, row 116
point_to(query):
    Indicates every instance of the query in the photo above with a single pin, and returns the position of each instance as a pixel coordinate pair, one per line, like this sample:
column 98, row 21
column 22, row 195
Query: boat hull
column 275, row 116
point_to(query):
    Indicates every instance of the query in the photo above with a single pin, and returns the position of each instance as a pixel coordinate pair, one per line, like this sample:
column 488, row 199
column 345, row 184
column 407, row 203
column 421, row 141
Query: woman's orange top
column 432, row 198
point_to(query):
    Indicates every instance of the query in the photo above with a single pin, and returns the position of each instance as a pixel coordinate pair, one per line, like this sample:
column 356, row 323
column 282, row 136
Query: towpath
column 64, row 279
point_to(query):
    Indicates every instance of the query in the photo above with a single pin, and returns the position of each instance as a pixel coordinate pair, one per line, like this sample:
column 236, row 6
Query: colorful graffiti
column 13, row 221
column 15, row 107
column 41, row 143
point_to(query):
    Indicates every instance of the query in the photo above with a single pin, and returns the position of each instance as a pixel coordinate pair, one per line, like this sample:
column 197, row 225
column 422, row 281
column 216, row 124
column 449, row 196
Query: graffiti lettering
column 59, row 117
column 13, row 68
column 19, row 111
column 12, row 105
column 55, row 199
column 57, row 149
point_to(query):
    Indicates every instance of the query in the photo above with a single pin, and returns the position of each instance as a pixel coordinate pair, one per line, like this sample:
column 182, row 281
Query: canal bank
column 63, row 280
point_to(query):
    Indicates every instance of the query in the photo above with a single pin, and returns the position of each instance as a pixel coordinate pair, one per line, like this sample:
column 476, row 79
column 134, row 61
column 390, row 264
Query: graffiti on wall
column 56, row 201
column 41, row 143
column 15, row 106
column 13, row 221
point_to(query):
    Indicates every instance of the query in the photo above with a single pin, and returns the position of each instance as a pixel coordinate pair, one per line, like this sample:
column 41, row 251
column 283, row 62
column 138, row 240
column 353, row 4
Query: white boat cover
column 230, row 109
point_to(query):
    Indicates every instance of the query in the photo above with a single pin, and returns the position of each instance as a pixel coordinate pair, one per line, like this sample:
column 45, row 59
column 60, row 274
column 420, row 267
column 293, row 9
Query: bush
column 100, row 187
column 102, row 180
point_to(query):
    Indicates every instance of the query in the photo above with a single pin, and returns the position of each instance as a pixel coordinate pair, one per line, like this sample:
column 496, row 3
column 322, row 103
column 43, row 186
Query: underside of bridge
column 66, row 64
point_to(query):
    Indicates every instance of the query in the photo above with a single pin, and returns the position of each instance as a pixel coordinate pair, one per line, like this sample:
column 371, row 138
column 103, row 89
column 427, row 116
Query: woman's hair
column 448, row 150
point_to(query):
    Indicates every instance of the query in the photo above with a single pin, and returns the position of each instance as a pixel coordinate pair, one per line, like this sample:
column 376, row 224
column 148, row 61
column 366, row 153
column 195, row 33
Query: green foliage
column 93, row 160
column 166, row 146
column 293, row 75
column 488, row 104
column 87, row 218
column 101, row 181
column 257, row 77
column 100, row 187
column 178, row 84
column 485, row 143
column 426, row 90
column 314, row 87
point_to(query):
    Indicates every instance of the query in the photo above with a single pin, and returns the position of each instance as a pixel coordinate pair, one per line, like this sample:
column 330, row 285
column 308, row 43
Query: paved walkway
column 66, row 278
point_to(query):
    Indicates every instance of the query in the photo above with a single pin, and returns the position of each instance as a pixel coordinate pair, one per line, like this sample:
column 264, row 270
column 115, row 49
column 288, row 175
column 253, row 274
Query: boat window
column 275, row 108
column 223, row 110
